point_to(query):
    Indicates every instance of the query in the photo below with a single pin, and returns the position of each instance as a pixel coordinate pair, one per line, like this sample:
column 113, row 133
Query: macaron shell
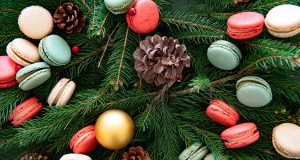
column 199, row 154
column 14, row 57
column 55, row 50
column 66, row 94
column 118, row 6
column 84, row 141
column 73, row 156
column 209, row 157
column 7, row 72
column 33, row 67
column 254, row 79
column 244, row 142
column 56, row 89
column 146, row 18
column 228, row 45
column 286, row 140
column 254, row 95
column 188, row 152
column 35, row 80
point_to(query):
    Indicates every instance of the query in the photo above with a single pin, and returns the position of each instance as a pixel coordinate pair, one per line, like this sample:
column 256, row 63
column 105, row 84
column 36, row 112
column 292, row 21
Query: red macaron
column 245, row 25
column 26, row 110
column 84, row 141
column 7, row 72
column 240, row 135
column 144, row 18
column 222, row 113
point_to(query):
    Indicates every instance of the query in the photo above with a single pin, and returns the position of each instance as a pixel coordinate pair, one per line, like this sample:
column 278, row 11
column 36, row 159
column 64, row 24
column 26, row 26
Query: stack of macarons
column 197, row 151
column 236, row 136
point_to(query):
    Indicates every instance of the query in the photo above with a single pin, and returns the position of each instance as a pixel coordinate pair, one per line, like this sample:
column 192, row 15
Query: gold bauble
column 114, row 129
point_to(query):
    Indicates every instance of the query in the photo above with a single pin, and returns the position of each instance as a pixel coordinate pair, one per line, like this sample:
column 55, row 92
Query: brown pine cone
column 160, row 60
column 136, row 153
column 69, row 18
column 35, row 156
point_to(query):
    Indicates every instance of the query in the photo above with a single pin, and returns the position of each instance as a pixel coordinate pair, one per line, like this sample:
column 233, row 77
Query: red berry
column 75, row 49
column 18, row 67
column 180, row 78
column 132, row 11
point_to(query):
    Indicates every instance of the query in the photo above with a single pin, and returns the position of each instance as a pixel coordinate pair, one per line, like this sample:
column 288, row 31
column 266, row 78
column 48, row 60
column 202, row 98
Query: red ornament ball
column 18, row 67
column 75, row 49
column 132, row 11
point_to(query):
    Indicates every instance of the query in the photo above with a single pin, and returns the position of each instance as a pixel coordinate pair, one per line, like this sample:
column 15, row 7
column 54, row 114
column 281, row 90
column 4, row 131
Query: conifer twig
column 86, row 6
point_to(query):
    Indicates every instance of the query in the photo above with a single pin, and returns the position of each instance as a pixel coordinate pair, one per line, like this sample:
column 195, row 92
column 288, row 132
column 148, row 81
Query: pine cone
column 69, row 18
column 136, row 153
column 160, row 60
column 35, row 156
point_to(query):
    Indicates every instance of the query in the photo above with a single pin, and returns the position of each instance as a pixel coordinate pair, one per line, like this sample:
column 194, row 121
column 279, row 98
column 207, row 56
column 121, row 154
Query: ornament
column 136, row 153
column 118, row 6
column 70, row 18
column 160, row 60
column 143, row 17
column 114, row 129
column 75, row 49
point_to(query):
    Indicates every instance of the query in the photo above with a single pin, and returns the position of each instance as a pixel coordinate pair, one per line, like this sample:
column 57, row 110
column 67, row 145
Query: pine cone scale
column 136, row 153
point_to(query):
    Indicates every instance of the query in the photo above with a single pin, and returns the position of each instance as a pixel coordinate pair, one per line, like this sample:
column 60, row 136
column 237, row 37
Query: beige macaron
column 286, row 140
column 73, row 156
column 283, row 21
column 62, row 92
column 23, row 52
column 35, row 22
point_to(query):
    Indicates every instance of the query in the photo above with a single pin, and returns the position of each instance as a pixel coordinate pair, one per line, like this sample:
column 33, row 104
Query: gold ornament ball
column 114, row 129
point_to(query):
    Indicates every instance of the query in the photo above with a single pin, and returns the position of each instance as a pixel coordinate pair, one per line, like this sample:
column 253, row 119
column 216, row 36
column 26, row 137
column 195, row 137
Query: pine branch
column 199, row 36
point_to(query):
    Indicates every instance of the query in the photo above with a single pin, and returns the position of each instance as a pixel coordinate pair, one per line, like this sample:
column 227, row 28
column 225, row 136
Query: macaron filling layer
column 14, row 54
column 25, row 111
column 228, row 48
column 60, row 93
column 44, row 55
column 244, row 136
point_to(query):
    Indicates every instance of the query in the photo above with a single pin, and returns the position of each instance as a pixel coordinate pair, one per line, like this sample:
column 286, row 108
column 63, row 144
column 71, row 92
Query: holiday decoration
column 160, row 60
column 118, row 6
column 35, row 156
column 195, row 151
column 282, row 21
column 75, row 49
column 136, row 153
column 143, row 17
column 69, row 17
column 114, row 129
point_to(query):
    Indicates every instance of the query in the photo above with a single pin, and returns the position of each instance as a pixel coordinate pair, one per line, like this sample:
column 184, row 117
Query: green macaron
column 224, row 55
column 118, row 6
column 253, row 91
column 54, row 50
column 194, row 152
column 33, row 75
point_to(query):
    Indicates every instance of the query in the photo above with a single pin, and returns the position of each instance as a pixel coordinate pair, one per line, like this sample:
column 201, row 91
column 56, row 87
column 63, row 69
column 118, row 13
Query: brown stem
column 86, row 6
column 113, row 155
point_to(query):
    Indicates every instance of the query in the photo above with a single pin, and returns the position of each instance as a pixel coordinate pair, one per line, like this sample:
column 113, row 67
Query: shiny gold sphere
column 114, row 129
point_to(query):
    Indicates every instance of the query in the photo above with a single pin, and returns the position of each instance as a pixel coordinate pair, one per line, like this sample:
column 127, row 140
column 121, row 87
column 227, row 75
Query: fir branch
column 265, row 6
column 199, row 36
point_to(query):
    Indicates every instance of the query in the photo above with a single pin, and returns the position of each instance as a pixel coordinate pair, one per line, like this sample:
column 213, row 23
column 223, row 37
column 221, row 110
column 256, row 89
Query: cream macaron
column 62, row 92
column 23, row 52
column 73, row 156
column 283, row 21
column 35, row 22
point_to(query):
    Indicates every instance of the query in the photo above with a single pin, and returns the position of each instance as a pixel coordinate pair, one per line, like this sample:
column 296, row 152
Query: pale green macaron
column 224, row 55
column 33, row 75
column 196, row 151
column 253, row 91
column 118, row 6
column 54, row 50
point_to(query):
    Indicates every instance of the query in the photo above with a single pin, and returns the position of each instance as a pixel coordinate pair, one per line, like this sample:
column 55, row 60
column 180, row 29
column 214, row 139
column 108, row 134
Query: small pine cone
column 160, row 60
column 136, row 153
column 69, row 18
column 35, row 156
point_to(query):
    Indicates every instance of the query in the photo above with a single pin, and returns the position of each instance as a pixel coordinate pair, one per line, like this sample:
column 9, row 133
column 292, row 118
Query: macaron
column 209, row 157
column 118, row 6
column 222, row 113
column 240, row 135
column 7, row 72
column 23, row 52
column 283, row 21
column 74, row 156
column 54, row 50
column 224, row 55
column 84, row 141
column 286, row 140
column 253, row 91
column 145, row 18
column 33, row 75
column 62, row 92
column 26, row 110
column 194, row 152
column 245, row 25
column 35, row 22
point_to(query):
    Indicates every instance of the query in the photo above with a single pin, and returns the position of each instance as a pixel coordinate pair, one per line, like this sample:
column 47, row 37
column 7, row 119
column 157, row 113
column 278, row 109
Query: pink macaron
column 145, row 18
column 222, row 113
column 245, row 25
column 240, row 135
column 84, row 141
column 26, row 110
column 7, row 72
